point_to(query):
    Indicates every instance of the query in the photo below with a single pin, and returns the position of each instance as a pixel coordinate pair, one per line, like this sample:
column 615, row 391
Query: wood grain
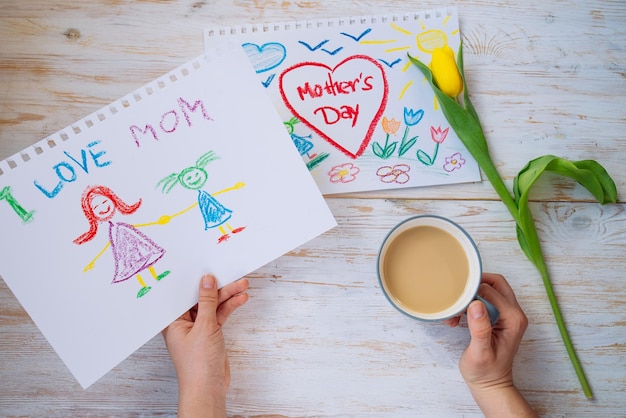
column 317, row 337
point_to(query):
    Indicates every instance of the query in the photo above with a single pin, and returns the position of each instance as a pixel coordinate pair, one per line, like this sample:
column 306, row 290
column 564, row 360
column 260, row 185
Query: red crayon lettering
column 314, row 92
column 367, row 83
column 332, row 115
column 338, row 87
column 333, row 87
column 329, row 113
column 329, row 87
column 349, row 86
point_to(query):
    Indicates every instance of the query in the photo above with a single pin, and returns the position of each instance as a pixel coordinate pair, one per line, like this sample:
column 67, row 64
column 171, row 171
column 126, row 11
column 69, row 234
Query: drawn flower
column 396, row 174
column 412, row 117
column 390, row 126
column 438, row 135
column 453, row 162
column 343, row 173
column 445, row 72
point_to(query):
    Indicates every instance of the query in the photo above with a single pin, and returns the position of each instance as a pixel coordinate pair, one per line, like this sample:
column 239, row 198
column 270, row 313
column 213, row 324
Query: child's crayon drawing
column 350, row 82
column 133, row 251
column 214, row 214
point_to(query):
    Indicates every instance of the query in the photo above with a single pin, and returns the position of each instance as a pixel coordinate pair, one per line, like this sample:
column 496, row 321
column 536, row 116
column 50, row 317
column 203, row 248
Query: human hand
column 196, row 344
column 487, row 362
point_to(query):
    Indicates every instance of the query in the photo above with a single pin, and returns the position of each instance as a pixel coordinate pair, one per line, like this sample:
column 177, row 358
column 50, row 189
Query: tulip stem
column 496, row 181
column 556, row 311
column 530, row 235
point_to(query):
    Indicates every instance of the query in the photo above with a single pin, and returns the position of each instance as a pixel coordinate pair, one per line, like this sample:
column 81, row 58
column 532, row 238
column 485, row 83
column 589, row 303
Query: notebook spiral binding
column 329, row 23
column 111, row 110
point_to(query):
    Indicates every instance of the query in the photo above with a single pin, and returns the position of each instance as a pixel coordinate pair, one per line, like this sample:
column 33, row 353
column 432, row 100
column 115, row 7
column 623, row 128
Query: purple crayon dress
column 132, row 250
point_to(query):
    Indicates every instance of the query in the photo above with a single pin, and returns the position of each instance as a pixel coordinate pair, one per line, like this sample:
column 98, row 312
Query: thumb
column 207, row 302
column 480, row 329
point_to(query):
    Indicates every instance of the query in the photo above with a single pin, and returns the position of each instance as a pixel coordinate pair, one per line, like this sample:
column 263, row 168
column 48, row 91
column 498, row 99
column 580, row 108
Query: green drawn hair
column 167, row 183
column 290, row 124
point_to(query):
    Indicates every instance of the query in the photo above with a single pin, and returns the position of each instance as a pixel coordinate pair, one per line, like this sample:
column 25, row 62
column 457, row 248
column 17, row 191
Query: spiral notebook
column 360, row 114
column 107, row 226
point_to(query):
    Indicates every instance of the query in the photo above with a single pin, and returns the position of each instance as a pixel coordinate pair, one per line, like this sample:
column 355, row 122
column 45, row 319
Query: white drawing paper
column 107, row 226
column 359, row 112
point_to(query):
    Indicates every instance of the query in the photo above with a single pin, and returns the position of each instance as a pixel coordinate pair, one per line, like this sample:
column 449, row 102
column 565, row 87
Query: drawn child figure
column 215, row 214
column 303, row 143
column 133, row 251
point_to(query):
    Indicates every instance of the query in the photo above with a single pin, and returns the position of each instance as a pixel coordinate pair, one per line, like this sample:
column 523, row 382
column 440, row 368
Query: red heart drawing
column 341, row 104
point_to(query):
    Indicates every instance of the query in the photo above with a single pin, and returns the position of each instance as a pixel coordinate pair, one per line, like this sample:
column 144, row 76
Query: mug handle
column 492, row 311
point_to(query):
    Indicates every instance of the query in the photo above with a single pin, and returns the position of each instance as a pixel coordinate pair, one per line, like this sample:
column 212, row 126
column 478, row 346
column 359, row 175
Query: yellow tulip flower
column 445, row 72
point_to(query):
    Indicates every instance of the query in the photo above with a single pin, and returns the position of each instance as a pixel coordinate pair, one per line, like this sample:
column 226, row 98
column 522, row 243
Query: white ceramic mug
column 467, row 295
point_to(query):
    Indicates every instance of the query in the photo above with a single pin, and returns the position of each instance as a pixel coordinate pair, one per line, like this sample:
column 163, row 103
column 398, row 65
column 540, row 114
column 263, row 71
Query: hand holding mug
column 429, row 268
column 487, row 362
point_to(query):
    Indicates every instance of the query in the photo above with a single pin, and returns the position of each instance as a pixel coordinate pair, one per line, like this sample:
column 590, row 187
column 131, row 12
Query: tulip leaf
column 425, row 158
column 588, row 173
column 466, row 100
column 406, row 146
column 377, row 149
column 389, row 150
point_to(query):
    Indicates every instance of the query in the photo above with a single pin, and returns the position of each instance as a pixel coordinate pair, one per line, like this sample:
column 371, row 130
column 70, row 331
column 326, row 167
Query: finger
column 453, row 322
column 512, row 322
column 498, row 282
column 506, row 304
column 207, row 302
column 232, row 289
column 493, row 295
column 480, row 329
column 228, row 307
column 497, row 299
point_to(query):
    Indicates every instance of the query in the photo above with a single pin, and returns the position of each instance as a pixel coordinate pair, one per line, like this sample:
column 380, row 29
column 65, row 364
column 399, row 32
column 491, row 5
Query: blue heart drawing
column 266, row 56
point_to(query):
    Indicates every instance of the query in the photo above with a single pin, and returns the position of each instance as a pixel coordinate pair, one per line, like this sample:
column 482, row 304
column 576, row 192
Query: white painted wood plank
column 318, row 337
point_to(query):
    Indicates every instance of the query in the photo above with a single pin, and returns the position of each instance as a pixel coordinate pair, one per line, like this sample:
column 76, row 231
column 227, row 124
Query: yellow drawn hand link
column 93, row 262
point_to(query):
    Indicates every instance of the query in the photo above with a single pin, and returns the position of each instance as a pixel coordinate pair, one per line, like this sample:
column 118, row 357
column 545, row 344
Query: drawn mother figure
column 133, row 251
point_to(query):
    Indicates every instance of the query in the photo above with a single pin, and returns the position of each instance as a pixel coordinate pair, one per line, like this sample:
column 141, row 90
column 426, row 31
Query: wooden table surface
column 317, row 337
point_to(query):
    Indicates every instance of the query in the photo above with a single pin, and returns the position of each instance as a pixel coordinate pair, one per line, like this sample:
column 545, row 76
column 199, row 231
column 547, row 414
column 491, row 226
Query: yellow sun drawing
column 425, row 43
